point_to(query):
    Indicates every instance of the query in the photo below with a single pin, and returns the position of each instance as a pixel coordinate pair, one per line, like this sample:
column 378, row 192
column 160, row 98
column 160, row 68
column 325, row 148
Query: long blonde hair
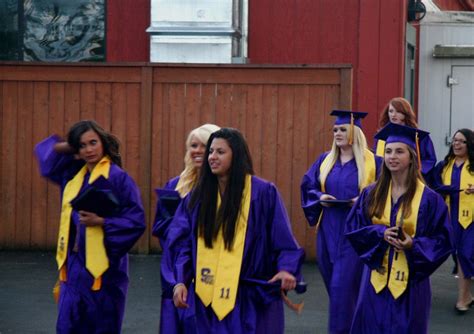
column 188, row 177
column 358, row 148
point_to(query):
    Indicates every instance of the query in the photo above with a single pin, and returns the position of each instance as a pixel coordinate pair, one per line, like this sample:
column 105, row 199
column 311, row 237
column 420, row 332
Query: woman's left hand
column 469, row 190
column 90, row 219
column 288, row 281
column 405, row 244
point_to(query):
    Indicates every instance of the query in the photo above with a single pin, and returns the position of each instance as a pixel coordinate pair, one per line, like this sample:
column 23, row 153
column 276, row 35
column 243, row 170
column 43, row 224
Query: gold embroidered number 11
column 465, row 213
column 225, row 293
column 400, row 276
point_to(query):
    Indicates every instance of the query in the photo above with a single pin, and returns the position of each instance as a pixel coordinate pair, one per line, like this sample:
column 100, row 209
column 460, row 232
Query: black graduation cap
column 169, row 198
column 396, row 133
column 97, row 198
column 348, row 117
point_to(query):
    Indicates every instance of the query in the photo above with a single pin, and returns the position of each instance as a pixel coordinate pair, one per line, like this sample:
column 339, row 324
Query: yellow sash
column 218, row 269
column 398, row 280
column 380, row 150
column 96, row 257
column 370, row 171
column 466, row 203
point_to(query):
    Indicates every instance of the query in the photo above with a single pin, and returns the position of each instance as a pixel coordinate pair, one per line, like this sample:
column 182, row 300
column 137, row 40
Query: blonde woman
column 328, row 190
column 168, row 200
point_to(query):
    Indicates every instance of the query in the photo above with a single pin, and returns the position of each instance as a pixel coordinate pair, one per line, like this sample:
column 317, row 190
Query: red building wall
column 368, row 34
column 462, row 5
column 126, row 36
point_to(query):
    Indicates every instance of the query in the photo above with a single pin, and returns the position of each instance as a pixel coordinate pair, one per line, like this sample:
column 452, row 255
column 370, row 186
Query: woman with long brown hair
column 232, row 245
column 400, row 229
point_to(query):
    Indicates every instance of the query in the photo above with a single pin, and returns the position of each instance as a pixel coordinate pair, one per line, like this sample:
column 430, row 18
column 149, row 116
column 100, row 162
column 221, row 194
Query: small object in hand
column 400, row 234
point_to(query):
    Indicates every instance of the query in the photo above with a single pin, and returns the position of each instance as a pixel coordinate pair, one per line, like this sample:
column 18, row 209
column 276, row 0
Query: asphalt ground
column 27, row 306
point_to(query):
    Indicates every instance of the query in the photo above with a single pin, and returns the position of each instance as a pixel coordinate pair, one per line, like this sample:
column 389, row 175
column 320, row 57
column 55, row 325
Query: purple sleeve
column 289, row 255
column 428, row 155
column 163, row 216
column 433, row 242
column 55, row 166
column 180, row 243
column 311, row 192
column 122, row 231
column 366, row 238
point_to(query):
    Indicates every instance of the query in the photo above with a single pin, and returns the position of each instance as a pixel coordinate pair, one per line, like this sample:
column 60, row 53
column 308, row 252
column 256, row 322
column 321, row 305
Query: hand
column 63, row 147
column 180, row 294
column 288, row 281
column 326, row 197
column 391, row 236
column 90, row 219
column 470, row 189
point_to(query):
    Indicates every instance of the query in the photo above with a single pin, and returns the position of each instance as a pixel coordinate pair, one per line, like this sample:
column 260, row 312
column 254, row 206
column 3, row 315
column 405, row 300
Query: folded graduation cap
column 97, row 198
column 336, row 202
column 447, row 190
column 169, row 199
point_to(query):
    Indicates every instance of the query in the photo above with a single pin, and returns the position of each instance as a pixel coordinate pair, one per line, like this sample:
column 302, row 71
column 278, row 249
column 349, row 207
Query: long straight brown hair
column 378, row 195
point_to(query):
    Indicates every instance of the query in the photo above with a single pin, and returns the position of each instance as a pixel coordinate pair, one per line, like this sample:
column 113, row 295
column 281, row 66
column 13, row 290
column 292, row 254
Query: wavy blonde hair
column 188, row 177
column 358, row 148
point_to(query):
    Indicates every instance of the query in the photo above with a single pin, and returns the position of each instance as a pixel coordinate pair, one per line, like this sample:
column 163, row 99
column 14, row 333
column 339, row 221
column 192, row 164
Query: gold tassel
column 351, row 134
column 97, row 284
column 417, row 141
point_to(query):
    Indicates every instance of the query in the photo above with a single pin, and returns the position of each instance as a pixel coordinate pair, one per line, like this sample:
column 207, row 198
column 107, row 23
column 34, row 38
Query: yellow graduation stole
column 380, row 149
column 96, row 257
column 465, row 214
column 218, row 269
column 370, row 171
column 399, row 273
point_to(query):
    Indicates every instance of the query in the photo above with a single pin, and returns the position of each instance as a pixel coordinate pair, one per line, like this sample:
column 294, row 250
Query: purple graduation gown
column 81, row 310
column 463, row 238
column 381, row 313
column 427, row 155
column 339, row 265
column 169, row 314
column 269, row 248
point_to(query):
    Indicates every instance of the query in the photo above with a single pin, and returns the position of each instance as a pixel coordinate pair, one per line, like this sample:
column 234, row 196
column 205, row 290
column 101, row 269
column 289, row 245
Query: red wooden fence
column 282, row 111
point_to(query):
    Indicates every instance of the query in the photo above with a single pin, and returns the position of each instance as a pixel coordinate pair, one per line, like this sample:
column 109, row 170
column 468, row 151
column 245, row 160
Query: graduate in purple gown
column 233, row 237
column 168, row 199
column 454, row 178
column 400, row 228
column 92, row 250
column 339, row 174
column 399, row 111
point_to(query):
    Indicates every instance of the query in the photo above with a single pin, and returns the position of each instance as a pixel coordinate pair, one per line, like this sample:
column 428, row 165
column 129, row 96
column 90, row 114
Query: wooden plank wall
column 282, row 111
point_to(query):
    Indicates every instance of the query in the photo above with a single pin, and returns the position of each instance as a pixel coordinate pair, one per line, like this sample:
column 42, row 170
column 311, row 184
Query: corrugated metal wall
column 282, row 111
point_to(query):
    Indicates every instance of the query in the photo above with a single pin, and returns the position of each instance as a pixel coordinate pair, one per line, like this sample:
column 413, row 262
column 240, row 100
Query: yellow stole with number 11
column 398, row 280
column 466, row 212
column 97, row 261
column 218, row 269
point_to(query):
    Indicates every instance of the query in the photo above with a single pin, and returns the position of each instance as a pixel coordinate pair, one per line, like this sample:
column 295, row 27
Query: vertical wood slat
column 39, row 210
column 55, row 126
column 286, row 124
column 24, row 167
column 9, row 151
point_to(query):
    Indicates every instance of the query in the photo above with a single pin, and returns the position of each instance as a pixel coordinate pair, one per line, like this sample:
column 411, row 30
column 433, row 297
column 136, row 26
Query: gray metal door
column 462, row 99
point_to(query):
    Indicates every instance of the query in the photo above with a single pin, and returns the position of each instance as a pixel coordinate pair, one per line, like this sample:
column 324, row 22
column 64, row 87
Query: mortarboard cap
column 396, row 133
column 348, row 117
